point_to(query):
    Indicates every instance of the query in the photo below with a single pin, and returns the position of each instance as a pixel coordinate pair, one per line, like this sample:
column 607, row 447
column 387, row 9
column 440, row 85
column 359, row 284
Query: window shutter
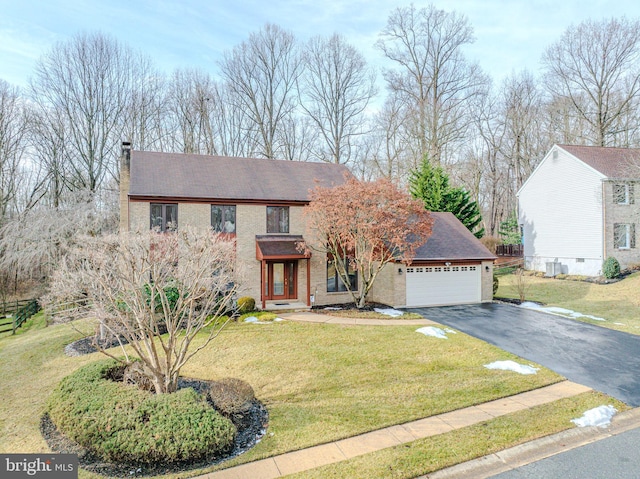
column 632, row 235
column 632, row 198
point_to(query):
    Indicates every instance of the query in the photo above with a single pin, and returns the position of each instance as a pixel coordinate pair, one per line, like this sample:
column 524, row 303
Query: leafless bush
column 154, row 291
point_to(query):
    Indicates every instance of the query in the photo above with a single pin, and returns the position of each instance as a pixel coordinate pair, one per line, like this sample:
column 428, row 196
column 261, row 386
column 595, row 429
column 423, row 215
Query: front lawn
column 618, row 303
column 319, row 382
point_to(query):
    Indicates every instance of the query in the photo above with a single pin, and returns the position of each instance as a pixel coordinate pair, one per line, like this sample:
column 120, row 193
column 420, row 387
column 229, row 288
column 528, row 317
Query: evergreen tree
column 430, row 184
column 510, row 230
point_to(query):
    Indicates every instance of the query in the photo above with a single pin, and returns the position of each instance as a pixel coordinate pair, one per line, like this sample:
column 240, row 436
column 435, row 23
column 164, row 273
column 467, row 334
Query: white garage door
column 441, row 285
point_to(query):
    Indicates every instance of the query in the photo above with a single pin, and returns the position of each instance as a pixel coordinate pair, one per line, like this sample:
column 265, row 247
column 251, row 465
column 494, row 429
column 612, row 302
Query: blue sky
column 510, row 34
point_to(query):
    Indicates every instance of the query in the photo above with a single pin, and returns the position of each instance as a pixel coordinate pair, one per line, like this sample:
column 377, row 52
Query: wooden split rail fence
column 13, row 314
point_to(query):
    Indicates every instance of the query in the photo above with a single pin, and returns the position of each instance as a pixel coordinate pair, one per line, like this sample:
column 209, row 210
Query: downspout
column 309, row 282
column 604, row 226
column 262, row 298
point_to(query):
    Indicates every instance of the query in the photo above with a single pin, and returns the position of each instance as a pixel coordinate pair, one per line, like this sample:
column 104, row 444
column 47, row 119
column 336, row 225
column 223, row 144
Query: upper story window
column 164, row 217
column 277, row 219
column 223, row 218
column 623, row 193
column 624, row 236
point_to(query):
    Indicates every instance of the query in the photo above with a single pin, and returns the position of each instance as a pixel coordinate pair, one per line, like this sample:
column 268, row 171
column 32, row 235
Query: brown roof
column 451, row 240
column 178, row 175
column 611, row 162
column 279, row 247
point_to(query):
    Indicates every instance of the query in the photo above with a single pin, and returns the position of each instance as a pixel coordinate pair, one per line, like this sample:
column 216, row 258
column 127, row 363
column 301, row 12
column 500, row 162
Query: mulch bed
column 326, row 308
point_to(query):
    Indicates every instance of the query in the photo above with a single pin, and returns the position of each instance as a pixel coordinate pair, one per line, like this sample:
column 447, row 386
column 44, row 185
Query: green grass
column 618, row 303
column 319, row 382
column 425, row 456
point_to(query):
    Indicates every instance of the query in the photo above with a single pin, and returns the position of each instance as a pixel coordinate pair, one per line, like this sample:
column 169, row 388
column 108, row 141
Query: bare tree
column 87, row 82
column 139, row 285
column 524, row 143
column 33, row 243
column 13, row 143
column 144, row 123
column 336, row 88
column 595, row 66
column 48, row 137
column 262, row 73
column 191, row 103
column 434, row 76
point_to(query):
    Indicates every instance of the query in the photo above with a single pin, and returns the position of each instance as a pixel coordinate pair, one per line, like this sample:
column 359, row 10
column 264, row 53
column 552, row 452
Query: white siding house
column 563, row 209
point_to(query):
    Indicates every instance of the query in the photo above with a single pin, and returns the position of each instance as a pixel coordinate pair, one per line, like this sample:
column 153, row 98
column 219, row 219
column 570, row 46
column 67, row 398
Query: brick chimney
column 125, row 180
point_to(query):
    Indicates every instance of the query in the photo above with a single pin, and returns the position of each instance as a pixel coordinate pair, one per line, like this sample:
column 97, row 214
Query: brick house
column 579, row 207
column 259, row 203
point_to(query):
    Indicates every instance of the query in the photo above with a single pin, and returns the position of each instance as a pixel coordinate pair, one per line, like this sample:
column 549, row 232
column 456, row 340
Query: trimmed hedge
column 121, row 423
column 246, row 304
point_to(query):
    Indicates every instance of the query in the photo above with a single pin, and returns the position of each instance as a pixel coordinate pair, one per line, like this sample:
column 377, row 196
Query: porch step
column 286, row 306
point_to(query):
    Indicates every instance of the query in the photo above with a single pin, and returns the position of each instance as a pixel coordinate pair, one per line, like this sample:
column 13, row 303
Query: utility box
column 553, row 269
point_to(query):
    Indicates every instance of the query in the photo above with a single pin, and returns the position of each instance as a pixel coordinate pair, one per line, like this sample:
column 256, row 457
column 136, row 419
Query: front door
column 281, row 280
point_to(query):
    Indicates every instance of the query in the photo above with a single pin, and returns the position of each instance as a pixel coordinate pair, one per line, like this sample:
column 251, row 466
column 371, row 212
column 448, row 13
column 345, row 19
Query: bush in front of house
column 246, row 304
column 122, row 423
column 231, row 395
column 496, row 284
column 611, row 268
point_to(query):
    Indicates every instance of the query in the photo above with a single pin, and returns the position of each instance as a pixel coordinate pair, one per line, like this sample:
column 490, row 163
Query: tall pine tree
column 431, row 185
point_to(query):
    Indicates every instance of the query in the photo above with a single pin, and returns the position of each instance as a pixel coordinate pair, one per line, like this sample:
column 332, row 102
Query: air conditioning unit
column 553, row 269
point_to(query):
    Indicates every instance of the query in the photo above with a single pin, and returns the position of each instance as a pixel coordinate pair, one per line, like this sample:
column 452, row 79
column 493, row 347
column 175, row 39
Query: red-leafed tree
column 364, row 226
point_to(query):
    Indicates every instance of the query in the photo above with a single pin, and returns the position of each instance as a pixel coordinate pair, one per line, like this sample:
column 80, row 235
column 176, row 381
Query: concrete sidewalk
column 344, row 449
column 518, row 456
column 308, row 317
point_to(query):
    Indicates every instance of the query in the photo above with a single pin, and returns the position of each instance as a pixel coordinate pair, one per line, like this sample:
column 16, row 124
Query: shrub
column 491, row 243
column 611, row 268
column 246, row 304
column 231, row 396
column 122, row 423
column 496, row 284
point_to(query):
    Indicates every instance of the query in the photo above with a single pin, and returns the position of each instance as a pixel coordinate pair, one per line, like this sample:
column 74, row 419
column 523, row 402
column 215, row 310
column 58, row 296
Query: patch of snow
column 433, row 332
column 560, row 311
column 599, row 416
column 389, row 312
column 331, row 308
column 447, row 330
column 254, row 320
column 512, row 366
column 619, row 324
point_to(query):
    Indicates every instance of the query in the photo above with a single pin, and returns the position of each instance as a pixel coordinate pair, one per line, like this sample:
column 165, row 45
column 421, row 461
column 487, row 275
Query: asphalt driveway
column 603, row 359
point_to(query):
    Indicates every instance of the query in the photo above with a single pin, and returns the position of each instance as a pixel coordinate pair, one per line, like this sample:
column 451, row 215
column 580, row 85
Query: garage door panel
column 431, row 286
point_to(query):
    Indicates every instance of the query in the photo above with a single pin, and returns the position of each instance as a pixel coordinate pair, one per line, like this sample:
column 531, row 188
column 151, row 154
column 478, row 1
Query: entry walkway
column 316, row 456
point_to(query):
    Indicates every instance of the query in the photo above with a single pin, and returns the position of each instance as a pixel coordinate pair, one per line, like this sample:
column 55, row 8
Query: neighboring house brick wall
column 622, row 214
column 561, row 215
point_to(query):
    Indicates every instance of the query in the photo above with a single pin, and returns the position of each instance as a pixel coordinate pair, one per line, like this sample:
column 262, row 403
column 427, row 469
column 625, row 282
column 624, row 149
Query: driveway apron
column 601, row 358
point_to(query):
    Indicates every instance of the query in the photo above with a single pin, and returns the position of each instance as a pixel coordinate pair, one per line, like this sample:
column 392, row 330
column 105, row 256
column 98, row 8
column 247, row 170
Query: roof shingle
column 451, row 240
column 175, row 175
column 611, row 162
